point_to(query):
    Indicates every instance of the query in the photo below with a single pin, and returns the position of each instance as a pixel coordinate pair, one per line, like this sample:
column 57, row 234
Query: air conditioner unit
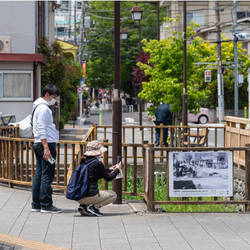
column 5, row 44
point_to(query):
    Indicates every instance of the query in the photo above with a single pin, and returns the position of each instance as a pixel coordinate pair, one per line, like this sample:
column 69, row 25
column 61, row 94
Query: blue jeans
column 44, row 175
column 158, row 133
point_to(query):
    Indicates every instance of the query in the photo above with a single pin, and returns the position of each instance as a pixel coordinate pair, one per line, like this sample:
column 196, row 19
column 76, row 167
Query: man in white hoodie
column 46, row 136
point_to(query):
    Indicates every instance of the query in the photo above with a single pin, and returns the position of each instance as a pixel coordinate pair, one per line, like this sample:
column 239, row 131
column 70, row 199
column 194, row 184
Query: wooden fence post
column 144, row 165
column 95, row 131
column 247, row 177
column 105, row 163
column 150, row 206
column 11, row 166
column 161, row 134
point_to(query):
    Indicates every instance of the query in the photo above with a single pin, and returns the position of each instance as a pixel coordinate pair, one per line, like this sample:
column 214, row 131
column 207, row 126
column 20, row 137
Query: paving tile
column 120, row 246
column 142, row 240
column 221, row 232
column 145, row 246
column 120, row 228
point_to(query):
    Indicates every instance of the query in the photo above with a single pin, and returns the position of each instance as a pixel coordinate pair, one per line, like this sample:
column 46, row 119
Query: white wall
column 17, row 20
column 19, row 109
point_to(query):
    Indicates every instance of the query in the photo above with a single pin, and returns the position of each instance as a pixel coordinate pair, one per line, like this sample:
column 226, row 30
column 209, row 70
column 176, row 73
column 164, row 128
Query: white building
column 203, row 13
column 22, row 25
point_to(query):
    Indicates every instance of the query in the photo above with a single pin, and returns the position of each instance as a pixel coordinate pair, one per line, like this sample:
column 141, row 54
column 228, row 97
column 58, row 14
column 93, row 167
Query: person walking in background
column 162, row 115
column 46, row 136
column 95, row 198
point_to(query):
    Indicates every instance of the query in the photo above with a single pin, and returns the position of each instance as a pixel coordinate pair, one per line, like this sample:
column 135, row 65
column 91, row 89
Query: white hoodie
column 43, row 126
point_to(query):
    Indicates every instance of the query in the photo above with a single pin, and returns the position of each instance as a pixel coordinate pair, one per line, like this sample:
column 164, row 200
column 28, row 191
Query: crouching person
column 95, row 198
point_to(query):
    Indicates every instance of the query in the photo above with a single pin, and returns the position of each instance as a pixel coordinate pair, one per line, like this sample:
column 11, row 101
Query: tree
column 100, row 43
column 165, row 71
column 63, row 73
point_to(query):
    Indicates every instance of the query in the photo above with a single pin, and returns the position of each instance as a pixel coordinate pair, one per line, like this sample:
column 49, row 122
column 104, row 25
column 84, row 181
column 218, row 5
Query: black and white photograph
column 193, row 174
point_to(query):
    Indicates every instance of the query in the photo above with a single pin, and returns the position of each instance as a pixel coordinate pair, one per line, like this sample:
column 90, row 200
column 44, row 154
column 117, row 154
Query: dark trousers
column 158, row 132
column 41, row 186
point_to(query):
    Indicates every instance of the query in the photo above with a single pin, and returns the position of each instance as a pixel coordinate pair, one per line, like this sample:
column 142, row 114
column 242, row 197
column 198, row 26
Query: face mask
column 52, row 102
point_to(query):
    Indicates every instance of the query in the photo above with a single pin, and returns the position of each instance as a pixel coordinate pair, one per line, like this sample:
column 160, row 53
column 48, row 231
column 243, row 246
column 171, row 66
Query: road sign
column 79, row 90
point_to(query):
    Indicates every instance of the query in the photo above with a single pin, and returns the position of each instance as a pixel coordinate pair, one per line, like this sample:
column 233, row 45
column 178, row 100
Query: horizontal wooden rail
column 199, row 202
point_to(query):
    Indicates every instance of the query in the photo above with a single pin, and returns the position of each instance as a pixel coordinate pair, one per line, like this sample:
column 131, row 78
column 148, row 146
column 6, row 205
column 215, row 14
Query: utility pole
column 236, row 80
column 140, row 86
column 81, row 54
column 219, row 66
column 75, row 42
column 184, row 96
column 116, row 106
column 158, row 19
column 69, row 31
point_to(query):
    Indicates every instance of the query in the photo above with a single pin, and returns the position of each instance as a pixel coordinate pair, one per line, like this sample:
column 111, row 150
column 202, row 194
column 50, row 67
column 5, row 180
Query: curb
column 27, row 244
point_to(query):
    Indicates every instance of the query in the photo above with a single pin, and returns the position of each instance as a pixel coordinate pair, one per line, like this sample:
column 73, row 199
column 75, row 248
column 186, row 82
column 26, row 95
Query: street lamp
column 123, row 34
column 137, row 16
column 116, row 105
column 136, row 13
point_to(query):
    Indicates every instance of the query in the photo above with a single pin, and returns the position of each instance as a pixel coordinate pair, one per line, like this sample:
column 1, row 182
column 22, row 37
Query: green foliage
column 166, row 74
column 63, row 73
column 100, row 47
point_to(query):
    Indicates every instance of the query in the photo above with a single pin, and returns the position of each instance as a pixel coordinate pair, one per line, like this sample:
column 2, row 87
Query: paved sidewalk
column 120, row 228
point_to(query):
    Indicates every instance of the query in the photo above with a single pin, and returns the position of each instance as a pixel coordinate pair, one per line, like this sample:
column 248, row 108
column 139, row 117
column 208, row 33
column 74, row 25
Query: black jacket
column 97, row 171
column 163, row 115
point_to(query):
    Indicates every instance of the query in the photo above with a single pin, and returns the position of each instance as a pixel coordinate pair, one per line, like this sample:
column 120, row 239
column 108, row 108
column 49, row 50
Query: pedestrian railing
column 177, row 135
column 9, row 131
column 149, row 174
column 140, row 159
column 237, row 134
column 17, row 161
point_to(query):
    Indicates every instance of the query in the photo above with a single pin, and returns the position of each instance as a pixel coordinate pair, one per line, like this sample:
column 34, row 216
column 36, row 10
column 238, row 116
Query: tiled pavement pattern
column 120, row 228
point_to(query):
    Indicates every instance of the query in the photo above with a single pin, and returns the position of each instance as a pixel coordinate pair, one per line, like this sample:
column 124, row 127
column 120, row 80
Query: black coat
column 163, row 115
column 97, row 171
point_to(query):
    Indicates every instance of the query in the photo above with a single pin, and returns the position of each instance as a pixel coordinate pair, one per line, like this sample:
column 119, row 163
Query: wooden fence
column 177, row 134
column 140, row 159
column 150, row 162
column 9, row 131
column 17, row 161
column 237, row 134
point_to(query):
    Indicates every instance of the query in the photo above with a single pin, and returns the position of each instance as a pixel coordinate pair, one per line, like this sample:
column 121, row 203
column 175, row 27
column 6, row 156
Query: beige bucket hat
column 94, row 148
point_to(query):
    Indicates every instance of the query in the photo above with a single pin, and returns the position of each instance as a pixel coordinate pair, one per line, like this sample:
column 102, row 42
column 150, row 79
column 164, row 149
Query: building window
column 79, row 5
column 197, row 17
column 16, row 85
column 243, row 14
column 65, row 4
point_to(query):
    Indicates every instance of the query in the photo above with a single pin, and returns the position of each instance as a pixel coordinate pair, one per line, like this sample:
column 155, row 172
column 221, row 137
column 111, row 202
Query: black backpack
column 78, row 183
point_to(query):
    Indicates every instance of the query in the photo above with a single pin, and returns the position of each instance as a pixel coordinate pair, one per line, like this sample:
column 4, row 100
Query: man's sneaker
column 35, row 209
column 51, row 210
column 82, row 209
column 93, row 210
